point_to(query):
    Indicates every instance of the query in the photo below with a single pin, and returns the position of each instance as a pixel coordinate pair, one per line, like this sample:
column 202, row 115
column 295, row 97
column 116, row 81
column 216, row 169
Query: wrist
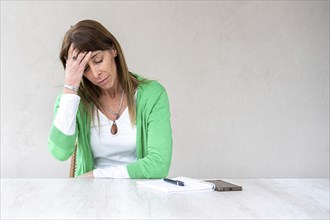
column 71, row 88
column 67, row 91
column 72, row 81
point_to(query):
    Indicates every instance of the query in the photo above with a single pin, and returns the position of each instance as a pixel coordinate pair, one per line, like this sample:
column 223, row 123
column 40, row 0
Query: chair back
column 73, row 162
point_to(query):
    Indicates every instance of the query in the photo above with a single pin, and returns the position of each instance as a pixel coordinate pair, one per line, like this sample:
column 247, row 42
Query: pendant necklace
column 114, row 128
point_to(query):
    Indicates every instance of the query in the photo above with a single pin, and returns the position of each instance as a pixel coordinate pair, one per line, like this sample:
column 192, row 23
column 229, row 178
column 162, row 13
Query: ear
column 114, row 52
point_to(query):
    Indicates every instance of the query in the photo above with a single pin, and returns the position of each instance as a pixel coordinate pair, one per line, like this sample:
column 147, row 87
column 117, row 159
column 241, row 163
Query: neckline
column 106, row 118
column 124, row 112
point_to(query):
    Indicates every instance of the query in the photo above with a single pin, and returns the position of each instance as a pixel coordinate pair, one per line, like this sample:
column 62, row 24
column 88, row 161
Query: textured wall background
column 248, row 81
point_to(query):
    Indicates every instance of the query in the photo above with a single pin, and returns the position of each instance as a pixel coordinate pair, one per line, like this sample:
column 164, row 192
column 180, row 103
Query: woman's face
column 101, row 69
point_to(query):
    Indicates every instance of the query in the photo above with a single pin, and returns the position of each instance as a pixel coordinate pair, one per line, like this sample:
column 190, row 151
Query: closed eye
column 98, row 61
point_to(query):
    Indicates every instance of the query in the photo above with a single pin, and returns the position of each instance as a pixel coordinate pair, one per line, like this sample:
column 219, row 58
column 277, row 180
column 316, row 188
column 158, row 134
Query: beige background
column 248, row 81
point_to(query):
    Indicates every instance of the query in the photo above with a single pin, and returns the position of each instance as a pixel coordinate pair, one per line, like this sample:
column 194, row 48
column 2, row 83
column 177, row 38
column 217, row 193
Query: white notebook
column 190, row 185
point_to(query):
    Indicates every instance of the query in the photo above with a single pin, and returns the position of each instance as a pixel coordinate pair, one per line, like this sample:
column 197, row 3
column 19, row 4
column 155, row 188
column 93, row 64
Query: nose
column 95, row 71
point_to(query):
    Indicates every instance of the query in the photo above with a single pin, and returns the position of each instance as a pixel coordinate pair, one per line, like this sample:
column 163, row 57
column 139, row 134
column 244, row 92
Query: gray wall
column 248, row 81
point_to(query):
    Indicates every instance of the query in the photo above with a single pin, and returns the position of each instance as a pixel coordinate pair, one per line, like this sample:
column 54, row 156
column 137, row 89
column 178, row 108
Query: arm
column 156, row 140
column 62, row 135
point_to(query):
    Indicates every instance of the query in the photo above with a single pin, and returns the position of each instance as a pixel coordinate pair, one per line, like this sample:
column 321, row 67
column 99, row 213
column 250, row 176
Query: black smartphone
column 221, row 185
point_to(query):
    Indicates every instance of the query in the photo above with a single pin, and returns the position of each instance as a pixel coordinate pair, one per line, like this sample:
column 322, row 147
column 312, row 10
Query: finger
column 75, row 54
column 70, row 51
column 80, row 56
column 86, row 58
column 86, row 55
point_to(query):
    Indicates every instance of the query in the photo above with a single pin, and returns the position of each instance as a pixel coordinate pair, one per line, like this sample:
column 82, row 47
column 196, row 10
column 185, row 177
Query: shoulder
column 148, row 86
column 150, row 92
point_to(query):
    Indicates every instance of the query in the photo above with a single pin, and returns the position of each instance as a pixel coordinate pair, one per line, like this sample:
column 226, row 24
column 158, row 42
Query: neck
column 110, row 99
column 113, row 92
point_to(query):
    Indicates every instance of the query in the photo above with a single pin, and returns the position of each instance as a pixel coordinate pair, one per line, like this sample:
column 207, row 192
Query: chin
column 109, row 86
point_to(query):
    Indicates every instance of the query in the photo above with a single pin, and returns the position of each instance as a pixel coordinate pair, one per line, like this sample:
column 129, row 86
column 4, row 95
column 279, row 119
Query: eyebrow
column 96, row 54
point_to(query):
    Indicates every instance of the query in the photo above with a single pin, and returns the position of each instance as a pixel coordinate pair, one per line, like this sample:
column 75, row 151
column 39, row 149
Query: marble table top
column 42, row 198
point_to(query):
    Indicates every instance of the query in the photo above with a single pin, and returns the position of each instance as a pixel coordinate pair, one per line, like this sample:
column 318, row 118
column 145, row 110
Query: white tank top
column 113, row 150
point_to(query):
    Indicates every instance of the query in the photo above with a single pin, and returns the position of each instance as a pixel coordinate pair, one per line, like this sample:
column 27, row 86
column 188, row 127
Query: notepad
column 190, row 185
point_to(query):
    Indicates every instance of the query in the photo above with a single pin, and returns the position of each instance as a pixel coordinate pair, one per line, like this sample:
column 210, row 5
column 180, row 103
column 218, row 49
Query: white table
column 120, row 198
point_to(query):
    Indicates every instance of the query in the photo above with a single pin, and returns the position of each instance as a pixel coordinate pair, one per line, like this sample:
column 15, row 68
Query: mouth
column 102, row 81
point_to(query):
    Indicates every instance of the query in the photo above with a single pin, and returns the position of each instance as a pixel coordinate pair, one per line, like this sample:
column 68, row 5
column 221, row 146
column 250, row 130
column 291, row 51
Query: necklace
column 114, row 128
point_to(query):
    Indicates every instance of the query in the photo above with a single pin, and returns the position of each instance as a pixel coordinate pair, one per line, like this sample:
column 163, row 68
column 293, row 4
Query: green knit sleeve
column 61, row 146
column 156, row 138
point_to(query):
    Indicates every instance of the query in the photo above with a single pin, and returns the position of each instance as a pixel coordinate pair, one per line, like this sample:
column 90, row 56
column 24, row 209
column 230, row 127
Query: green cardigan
column 153, row 140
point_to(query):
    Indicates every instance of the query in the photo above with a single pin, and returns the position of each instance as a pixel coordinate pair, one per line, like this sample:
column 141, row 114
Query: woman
column 119, row 120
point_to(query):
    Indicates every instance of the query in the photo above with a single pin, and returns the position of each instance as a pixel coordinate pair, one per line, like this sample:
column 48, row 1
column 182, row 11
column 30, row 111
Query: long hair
column 89, row 35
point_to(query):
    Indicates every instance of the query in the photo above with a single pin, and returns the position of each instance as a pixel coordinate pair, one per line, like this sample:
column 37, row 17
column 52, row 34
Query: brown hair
column 89, row 35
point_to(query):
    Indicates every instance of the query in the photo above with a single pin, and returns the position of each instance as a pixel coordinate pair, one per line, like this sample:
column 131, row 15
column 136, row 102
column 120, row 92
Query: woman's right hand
column 75, row 66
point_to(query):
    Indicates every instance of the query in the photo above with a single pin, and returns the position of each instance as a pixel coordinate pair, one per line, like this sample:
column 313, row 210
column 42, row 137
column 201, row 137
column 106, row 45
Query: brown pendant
column 114, row 128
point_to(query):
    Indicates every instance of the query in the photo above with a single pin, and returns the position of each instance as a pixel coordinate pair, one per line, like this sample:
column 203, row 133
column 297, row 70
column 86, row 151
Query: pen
column 175, row 182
